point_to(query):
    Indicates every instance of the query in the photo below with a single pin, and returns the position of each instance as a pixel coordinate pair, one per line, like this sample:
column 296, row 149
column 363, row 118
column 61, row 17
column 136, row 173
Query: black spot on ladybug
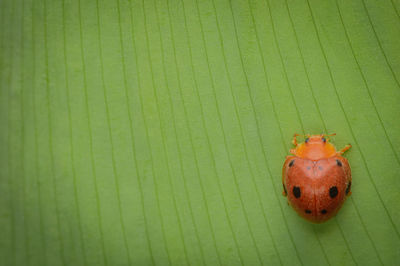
column 339, row 163
column 333, row 191
column 323, row 211
column 296, row 192
column 308, row 211
column 320, row 168
column 284, row 189
column 348, row 188
column 306, row 140
column 308, row 167
column 324, row 140
column 291, row 163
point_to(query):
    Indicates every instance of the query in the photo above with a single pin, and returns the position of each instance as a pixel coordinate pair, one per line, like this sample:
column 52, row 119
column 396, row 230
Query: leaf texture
column 154, row 132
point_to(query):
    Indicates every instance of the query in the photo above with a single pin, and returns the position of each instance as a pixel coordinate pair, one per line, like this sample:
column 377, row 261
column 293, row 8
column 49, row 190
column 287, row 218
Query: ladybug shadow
column 325, row 228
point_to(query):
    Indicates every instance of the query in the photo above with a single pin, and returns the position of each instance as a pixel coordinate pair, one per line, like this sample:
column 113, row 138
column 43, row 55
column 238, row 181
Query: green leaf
column 154, row 132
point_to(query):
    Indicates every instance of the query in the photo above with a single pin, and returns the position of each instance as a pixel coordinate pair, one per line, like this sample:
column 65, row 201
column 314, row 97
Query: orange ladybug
column 316, row 178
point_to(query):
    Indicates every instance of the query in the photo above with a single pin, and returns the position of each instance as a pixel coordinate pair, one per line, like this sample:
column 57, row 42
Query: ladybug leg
column 346, row 148
column 295, row 143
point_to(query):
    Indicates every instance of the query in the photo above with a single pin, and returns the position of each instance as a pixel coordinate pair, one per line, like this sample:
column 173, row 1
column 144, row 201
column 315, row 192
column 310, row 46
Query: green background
column 154, row 132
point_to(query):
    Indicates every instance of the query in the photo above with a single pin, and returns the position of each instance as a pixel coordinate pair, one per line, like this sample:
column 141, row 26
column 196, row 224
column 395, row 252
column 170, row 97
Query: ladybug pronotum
column 316, row 178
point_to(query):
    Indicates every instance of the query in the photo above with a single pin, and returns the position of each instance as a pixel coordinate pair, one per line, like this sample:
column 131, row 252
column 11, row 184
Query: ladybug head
column 317, row 139
column 314, row 147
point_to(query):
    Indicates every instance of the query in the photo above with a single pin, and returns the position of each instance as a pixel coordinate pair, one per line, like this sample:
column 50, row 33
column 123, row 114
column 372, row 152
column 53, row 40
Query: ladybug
column 316, row 178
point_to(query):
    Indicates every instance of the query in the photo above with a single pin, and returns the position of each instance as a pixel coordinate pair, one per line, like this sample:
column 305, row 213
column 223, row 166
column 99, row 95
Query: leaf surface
column 154, row 132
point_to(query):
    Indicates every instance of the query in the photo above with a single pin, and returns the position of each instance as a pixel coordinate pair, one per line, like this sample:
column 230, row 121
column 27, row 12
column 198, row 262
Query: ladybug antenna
column 328, row 135
column 294, row 141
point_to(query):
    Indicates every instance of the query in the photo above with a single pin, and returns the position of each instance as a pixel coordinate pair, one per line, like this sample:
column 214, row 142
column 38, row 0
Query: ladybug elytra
column 316, row 178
